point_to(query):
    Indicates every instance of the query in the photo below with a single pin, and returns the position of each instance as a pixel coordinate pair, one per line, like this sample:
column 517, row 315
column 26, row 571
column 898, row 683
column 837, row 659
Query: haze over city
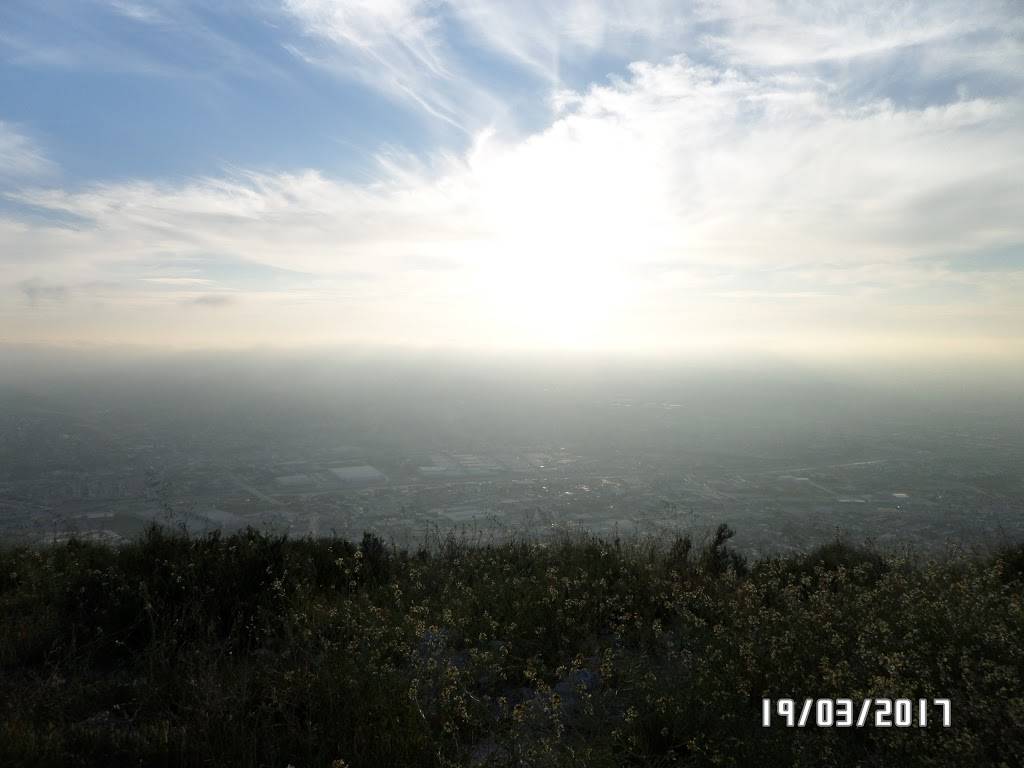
column 414, row 265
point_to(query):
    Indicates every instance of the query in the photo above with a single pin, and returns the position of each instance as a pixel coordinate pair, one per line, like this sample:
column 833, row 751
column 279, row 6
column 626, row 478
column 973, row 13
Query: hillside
column 251, row 650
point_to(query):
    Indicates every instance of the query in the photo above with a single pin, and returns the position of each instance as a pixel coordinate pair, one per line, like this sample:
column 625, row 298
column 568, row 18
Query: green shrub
column 257, row 650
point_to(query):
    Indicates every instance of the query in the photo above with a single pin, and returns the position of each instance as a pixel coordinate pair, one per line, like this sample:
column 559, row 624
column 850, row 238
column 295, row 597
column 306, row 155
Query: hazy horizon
column 306, row 264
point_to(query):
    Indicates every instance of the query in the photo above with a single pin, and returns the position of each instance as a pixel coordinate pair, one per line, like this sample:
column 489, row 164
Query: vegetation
column 252, row 650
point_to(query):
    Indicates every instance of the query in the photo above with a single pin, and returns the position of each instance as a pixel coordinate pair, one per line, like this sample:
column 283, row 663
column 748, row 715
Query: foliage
column 255, row 650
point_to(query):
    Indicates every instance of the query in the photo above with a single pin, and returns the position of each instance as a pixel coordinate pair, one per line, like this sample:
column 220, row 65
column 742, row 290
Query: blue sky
column 117, row 97
column 177, row 89
column 587, row 174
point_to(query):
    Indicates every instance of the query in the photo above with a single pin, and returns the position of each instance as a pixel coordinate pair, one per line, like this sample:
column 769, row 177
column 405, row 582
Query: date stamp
column 846, row 713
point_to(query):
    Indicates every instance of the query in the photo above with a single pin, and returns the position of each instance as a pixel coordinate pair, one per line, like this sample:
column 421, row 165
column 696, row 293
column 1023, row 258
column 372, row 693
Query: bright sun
column 555, row 267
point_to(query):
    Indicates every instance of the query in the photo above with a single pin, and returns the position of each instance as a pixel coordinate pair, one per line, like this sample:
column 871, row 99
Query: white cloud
column 757, row 195
column 783, row 33
column 540, row 35
column 142, row 12
column 393, row 45
column 21, row 157
column 684, row 201
column 402, row 46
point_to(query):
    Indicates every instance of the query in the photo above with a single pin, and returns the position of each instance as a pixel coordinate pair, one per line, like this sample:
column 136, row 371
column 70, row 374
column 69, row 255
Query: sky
column 835, row 179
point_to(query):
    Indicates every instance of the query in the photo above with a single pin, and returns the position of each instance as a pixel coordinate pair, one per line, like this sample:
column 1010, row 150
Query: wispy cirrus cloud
column 543, row 36
column 75, row 36
column 21, row 157
column 138, row 11
column 762, row 170
column 395, row 46
column 684, row 199
column 787, row 33
column 404, row 47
